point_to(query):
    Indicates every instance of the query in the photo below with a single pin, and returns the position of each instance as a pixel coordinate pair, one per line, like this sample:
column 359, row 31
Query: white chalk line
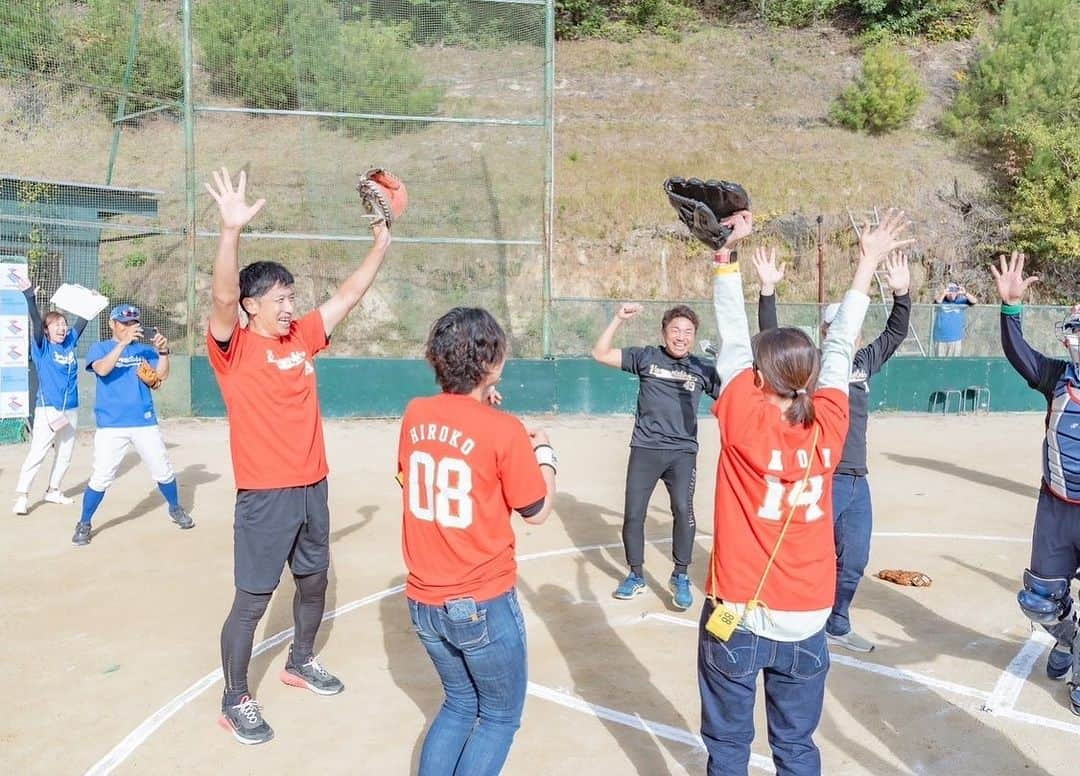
column 144, row 730
column 1011, row 682
column 658, row 729
column 862, row 665
column 971, row 537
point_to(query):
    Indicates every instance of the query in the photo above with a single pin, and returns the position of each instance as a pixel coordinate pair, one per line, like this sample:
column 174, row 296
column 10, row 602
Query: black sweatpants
column 678, row 470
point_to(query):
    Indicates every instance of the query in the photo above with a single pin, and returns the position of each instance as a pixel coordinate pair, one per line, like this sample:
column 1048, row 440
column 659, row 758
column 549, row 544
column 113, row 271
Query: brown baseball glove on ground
column 149, row 375
column 901, row 577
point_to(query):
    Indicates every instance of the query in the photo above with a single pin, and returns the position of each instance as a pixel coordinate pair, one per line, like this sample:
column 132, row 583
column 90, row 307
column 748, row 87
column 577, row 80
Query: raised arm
column 1033, row 366
column 898, row 277
column 733, row 352
column 348, row 296
column 37, row 328
column 769, row 275
column 225, row 281
column 839, row 347
column 603, row 351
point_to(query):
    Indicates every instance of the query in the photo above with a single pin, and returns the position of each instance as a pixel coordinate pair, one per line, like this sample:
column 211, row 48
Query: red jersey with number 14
column 463, row 467
column 763, row 460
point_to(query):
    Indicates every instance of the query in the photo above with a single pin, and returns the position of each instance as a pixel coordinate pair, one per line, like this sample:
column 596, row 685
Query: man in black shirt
column 664, row 443
column 852, row 508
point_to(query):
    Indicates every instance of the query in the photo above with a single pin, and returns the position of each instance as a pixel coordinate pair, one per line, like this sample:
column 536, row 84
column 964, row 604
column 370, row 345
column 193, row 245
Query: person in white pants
column 125, row 415
column 52, row 351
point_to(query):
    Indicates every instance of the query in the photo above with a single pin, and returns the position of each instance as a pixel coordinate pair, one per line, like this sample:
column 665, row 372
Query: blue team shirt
column 58, row 371
column 123, row 400
column 950, row 320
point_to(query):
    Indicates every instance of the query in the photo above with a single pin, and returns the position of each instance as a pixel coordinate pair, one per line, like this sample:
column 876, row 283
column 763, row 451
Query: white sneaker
column 58, row 497
column 21, row 506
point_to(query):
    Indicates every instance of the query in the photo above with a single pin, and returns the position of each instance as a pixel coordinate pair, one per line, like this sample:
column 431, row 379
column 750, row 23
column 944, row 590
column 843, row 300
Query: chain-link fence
column 577, row 323
column 116, row 112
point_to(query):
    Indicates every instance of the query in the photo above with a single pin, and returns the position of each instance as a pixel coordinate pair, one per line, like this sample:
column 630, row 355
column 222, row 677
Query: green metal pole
column 189, row 182
column 121, row 106
column 549, row 169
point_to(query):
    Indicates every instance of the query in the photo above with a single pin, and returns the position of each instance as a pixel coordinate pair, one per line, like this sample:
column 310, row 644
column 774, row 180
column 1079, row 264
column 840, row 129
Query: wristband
column 163, row 352
column 1011, row 309
column 545, row 456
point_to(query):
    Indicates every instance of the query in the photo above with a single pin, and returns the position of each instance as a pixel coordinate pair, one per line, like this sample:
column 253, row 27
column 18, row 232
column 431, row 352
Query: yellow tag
column 722, row 622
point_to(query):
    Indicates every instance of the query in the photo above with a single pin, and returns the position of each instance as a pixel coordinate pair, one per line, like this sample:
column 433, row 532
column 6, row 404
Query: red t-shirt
column 463, row 466
column 763, row 459
column 268, row 383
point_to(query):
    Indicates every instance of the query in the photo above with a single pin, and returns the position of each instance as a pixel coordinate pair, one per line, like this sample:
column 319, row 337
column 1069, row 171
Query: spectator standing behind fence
column 951, row 318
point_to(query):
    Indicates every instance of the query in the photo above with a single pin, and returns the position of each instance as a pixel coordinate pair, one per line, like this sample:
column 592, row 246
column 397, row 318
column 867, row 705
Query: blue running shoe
column 1058, row 663
column 633, row 585
column 680, row 586
column 1074, row 699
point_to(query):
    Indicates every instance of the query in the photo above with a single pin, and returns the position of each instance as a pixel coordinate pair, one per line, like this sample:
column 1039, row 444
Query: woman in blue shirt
column 52, row 349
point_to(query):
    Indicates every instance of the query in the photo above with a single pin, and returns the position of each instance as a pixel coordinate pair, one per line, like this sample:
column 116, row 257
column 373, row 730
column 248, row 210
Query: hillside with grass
column 961, row 112
column 748, row 103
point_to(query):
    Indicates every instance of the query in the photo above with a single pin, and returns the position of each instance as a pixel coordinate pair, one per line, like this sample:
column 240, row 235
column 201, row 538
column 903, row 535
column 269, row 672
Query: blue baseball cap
column 125, row 313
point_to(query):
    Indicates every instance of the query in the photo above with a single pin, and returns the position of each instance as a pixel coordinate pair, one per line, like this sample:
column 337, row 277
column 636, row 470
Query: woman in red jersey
column 783, row 415
column 464, row 466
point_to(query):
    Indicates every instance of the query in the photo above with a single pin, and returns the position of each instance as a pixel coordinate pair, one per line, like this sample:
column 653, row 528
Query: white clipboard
column 84, row 302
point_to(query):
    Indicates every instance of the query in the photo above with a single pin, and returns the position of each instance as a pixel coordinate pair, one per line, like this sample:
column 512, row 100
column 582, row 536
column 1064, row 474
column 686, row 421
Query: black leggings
column 678, row 470
column 238, row 633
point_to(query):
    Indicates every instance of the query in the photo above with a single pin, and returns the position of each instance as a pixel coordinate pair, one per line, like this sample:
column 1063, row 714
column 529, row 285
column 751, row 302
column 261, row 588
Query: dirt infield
column 113, row 647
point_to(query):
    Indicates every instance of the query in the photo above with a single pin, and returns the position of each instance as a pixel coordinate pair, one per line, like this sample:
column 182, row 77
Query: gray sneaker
column 850, row 640
column 180, row 517
column 81, row 538
column 246, row 723
column 311, row 675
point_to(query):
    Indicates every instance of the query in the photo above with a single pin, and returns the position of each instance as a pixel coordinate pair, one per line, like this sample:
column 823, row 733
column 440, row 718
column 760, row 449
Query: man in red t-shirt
column 464, row 466
column 267, row 379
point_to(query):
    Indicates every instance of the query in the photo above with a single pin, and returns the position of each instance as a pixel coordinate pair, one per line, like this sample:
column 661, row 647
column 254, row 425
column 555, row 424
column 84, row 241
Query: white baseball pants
column 41, row 439
column 111, row 445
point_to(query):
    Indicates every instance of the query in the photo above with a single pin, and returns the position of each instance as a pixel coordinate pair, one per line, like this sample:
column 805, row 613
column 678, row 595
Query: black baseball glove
column 702, row 205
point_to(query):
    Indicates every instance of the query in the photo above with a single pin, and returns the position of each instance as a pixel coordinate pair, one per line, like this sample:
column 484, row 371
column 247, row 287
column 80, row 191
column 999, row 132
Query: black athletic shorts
column 276, row 525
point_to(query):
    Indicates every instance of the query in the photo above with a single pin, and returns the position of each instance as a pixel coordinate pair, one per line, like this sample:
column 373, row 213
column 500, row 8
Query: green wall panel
column 350, row 387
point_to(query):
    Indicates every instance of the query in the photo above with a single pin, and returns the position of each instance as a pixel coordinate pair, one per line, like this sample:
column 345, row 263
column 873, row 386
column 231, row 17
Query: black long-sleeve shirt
column 868, row 361
column 1041, row 373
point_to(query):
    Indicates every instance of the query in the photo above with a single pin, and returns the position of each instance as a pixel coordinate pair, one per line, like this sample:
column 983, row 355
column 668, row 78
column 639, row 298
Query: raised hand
column 877, row 243
column 1011, row 283
column 741, row 223
column 493, row 397
column 768, row 273
column 628, row 311
column 236, row 213
column 897, row 273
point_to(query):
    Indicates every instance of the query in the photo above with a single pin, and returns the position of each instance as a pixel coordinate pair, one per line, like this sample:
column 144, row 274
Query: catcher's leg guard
column 1045, row 601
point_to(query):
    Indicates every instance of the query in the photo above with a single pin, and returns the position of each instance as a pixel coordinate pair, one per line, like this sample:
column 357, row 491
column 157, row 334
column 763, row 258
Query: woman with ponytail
column 783, row 416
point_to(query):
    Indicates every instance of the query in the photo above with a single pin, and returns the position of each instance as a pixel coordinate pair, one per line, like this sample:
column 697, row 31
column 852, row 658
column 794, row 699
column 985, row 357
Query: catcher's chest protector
column 1061, row 450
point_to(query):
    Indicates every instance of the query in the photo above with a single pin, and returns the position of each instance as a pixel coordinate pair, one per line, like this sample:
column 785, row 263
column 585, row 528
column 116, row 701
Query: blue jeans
column 853, row 522
column 478, row 648
column 795, row 674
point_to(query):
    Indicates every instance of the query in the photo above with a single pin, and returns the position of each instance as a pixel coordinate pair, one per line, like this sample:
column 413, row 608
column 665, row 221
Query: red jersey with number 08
column 463, row 467
column 763, row 460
